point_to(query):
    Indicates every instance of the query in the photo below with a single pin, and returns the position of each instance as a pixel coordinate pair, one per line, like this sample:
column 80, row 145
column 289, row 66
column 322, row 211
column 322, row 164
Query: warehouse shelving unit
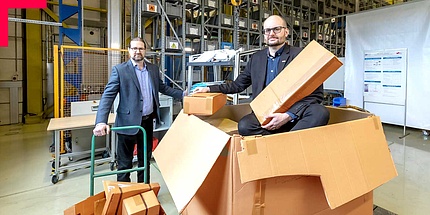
column 202, row 25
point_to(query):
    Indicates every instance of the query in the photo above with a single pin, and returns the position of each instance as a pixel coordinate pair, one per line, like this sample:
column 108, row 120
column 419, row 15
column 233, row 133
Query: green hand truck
column 145, row 158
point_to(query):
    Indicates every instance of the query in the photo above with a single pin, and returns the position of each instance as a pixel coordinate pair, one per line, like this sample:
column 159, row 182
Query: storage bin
column 173, row 10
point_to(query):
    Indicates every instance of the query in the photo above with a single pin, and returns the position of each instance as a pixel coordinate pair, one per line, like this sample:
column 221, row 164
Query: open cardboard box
column 204, row 103
column 301, row 77
column 325, row 170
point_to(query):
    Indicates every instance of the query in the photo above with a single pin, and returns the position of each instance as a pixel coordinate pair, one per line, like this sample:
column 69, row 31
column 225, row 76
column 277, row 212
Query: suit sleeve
column 240, row 84
column 315, row 97
column 167, row 90
column 109, row 94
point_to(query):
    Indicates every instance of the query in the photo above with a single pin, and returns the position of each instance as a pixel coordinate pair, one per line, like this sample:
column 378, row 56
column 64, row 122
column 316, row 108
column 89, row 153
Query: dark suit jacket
column 255, row 74
column 123, row 80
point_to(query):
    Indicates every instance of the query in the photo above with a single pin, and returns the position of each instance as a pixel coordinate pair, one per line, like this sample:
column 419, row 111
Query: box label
column 151, row 7
column 173, row 45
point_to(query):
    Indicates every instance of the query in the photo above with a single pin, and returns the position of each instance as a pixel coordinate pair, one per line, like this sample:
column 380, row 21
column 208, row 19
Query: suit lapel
column 285, row 58
column 133, row 75
column 261, row 67
column 153, row 77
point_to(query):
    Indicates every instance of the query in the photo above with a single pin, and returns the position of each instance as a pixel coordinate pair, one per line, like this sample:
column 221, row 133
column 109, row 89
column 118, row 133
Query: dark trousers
column 125, row 151
column 313, row 116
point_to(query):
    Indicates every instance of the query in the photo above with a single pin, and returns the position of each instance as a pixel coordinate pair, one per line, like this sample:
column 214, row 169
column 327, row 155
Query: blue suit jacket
column 255, row 74
column 123, row 80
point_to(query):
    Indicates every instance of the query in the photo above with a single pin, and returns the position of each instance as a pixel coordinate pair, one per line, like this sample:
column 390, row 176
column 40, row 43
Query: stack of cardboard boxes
column 122, row 198
column 210, row 169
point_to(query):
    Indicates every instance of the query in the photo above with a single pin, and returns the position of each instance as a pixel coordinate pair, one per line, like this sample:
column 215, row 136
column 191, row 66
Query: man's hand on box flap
column 277, row 120
column 201, row 90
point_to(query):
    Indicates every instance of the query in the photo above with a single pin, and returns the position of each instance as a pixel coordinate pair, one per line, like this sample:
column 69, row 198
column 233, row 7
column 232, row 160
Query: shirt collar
column 278, row 53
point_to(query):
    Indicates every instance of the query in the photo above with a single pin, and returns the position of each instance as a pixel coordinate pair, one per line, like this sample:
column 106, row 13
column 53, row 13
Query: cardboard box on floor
column 116, row 192
column 300, row 78
column 89, row 206
column 325, row 170
column 142, row 204
column 204, row 103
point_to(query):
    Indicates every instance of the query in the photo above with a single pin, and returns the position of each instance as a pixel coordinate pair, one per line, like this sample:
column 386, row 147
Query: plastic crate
column 226, row 45
column 150, row 7
column 243, row 23
column 173, row 10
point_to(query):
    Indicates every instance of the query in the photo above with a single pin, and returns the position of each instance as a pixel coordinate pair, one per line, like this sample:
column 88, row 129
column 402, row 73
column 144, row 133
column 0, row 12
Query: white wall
column 403, row 26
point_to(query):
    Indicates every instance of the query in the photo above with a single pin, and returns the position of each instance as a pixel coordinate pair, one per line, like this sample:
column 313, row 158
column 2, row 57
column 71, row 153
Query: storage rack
column 201, row 25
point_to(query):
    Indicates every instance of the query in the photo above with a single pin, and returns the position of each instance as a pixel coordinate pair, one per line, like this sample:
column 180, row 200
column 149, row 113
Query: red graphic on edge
column 21, row 4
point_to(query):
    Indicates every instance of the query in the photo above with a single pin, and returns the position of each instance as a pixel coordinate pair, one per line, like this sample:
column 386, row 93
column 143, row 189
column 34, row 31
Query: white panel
column 92, row 35
column 393, row 114
column 7, row 70
column 84, row 108
column 336, row 81
column 4, row 114
column 379, row 29
column 4, row 95
column 9, row 51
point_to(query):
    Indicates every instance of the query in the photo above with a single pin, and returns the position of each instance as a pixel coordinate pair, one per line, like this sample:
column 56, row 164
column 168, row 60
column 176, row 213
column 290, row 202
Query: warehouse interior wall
column 394, row 27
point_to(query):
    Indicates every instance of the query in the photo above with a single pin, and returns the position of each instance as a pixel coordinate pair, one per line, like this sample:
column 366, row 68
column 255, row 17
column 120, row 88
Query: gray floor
column 26, row 187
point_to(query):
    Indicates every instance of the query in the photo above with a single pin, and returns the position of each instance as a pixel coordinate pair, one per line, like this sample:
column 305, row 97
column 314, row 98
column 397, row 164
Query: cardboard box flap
column 185, row 166
column 300, row 78
column 351, row 158
column 205, row 95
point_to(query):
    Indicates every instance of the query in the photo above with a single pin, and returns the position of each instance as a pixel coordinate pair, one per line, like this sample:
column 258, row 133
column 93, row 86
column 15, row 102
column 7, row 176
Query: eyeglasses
column 137, row 49
column 275, row 30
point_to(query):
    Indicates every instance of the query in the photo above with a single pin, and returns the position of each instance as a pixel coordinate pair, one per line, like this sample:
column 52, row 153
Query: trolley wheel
column 105, row 154
column 112, row 166
column 54, row 179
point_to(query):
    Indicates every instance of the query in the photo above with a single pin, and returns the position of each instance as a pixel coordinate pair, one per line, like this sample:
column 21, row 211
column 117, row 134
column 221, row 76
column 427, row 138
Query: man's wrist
column 100, row 124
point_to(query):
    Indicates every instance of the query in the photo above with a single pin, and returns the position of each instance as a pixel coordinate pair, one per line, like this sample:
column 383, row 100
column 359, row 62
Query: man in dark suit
column 261, row 69
column 138, row 84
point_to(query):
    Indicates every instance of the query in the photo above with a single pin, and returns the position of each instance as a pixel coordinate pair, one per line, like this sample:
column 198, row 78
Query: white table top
column 74, row 122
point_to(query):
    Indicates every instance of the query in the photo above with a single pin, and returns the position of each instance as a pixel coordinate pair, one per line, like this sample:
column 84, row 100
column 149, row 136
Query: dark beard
column 137, row 60
column 274, row 44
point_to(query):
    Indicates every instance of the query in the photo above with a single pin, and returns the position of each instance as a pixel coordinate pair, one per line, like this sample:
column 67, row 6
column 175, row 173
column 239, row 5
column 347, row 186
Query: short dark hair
column 139, row 39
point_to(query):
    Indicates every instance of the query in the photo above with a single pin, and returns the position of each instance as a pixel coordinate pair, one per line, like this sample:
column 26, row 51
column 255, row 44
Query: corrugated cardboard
column 117, row 191
column 85, row 207
column 142, row 204
column 300, row 78
column 200, row 167
column 204, row 103
column 98, row 206
column 351, row 158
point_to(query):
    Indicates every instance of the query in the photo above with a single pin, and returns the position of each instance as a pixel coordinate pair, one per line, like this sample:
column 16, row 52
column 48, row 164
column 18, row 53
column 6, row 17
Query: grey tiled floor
column 26, row 188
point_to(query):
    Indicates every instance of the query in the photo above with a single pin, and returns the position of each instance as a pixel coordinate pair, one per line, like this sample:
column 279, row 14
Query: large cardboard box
column 199, row 163
column 142, row 204
column 204, row 103
column 116, row 192
column 87, row 206
column 300, row 78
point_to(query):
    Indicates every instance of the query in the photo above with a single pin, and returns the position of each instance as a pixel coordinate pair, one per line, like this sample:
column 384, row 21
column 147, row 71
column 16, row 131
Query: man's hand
column 101, row 129
column 277, row 120
column 201, row 90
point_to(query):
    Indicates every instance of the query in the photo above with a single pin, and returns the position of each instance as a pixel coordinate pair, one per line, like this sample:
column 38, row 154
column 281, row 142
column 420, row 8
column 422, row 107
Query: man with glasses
column 138, row 84
column 261, row 69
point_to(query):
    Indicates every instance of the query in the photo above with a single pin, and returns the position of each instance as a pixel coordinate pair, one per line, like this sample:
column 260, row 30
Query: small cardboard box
column 117, row 191
column 87, row 206
column 204, row 103
column 142, row 204
column 299, row 79
column 325, row 170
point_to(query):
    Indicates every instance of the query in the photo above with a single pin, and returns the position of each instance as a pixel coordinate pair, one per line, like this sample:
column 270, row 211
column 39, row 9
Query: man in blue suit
column 138, row 84
column 261, row 69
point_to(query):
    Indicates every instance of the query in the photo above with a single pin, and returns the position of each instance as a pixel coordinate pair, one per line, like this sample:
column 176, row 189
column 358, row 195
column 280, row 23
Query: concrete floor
column 26, row 188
